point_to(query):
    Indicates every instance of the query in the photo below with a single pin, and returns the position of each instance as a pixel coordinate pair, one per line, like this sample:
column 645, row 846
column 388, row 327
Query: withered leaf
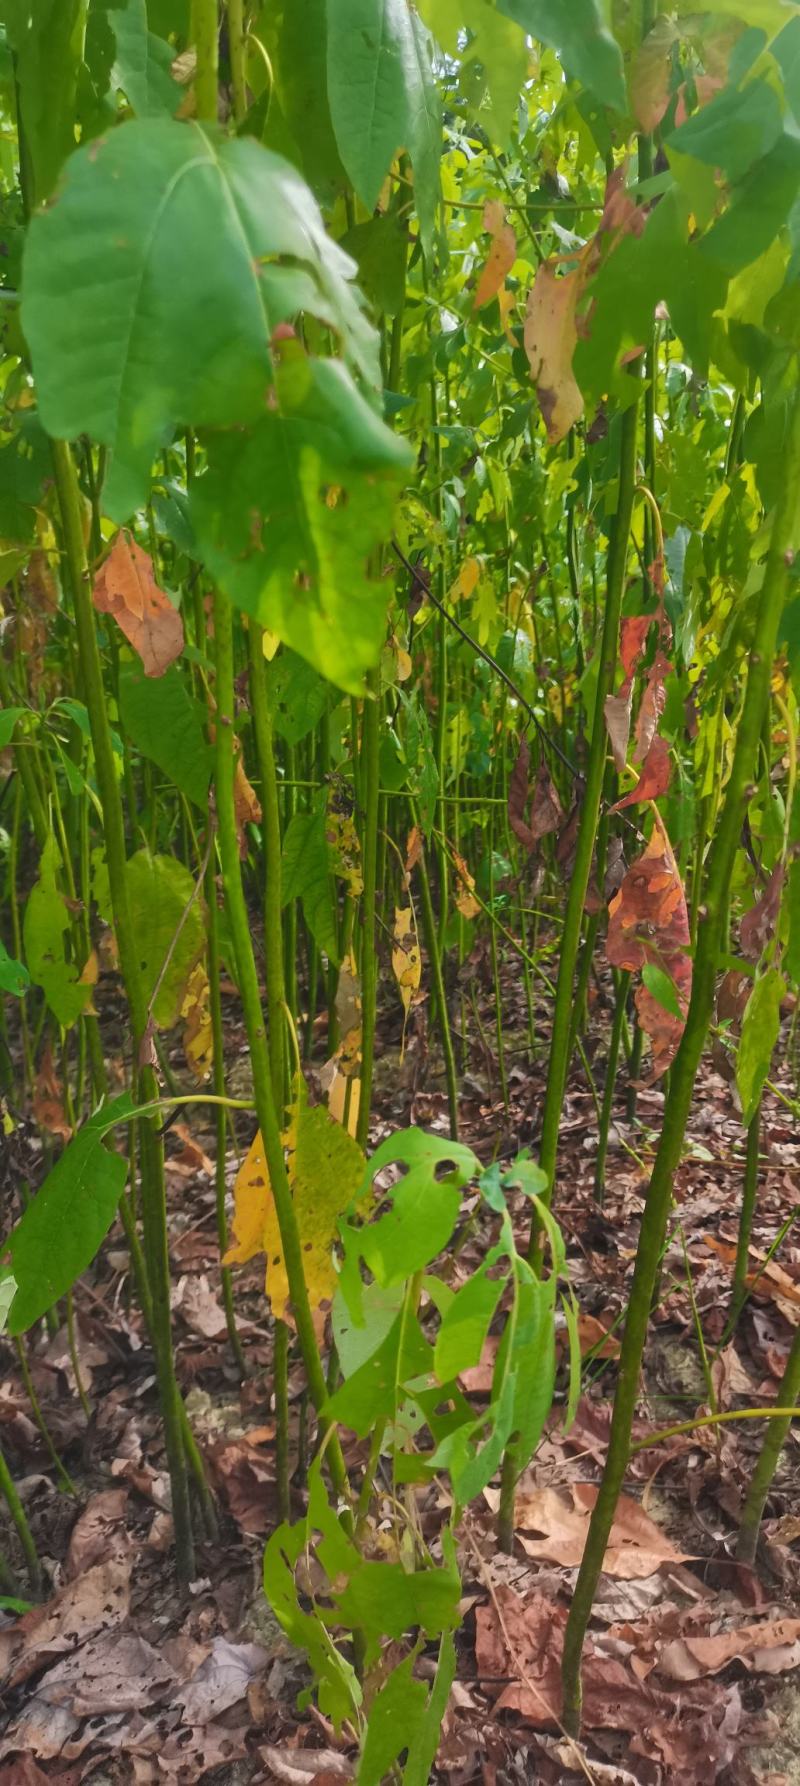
column 648, row 922
column 502, row 254
column 518, row 790
column 547, row 812
column 654, row 779
column 758, row 926
column 125, row 587
column 652, row 705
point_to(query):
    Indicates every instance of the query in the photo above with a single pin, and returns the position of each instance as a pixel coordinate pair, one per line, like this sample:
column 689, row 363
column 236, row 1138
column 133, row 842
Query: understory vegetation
column 400, row 925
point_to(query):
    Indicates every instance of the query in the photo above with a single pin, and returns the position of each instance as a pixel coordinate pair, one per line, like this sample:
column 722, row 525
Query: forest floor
column 691, row 1671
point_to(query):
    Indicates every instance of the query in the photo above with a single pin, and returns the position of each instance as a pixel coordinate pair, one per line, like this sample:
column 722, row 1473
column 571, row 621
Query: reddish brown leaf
column 648, row 922
column 632, row 640
column 758, row 926
column 48, row 1098
column 518, row 790
column 547, row 812
column 125, row 587
column 502, row 254
column 654, row 779
column 652, row 705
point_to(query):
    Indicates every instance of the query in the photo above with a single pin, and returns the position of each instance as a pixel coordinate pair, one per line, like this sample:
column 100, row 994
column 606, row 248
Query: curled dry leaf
column 502, row 254
column 654, row 779
column 413, row 851
column 48, row 1098
column 547, row 812
column 97, row 1530
column 636, row 1546
column 406, row 960
column 771, row 1647
column 306, row 1767
column 518, row 791
column 648, row 922
column 125, row 587
column 246, row 803
column 617, row 714
column 652, row 705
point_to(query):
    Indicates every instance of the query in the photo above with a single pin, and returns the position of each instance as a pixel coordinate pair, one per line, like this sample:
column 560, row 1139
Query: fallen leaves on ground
column 636, row 1546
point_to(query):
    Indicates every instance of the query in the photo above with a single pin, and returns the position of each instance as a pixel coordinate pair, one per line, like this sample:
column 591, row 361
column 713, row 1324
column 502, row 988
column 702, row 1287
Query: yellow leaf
column 466, row 581
column 325, row 1170
column 269, row 644
column 465, row 899
column 406, row 960
column 502, row 253
column 198, row 1040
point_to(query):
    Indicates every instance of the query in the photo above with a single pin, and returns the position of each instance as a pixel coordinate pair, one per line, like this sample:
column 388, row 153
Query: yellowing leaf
column 551, row 336
column 406, row 960
column 466, row 581
column 196, row 1013
column 465, row 899
column 247, row 804
column 342, row 838
column 502, row 253
column 325, row 1169
column 125, row 587
column 269, row 644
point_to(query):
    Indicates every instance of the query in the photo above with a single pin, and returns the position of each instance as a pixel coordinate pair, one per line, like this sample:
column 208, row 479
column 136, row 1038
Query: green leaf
column 757, row 210
column 379, row 248
column 463, row 1331
column 159, row 891
column 389, row 1600
column 424, row 1742
column 163, row 721
column 8, row 1290
column 299, row 121
column 136, row 328
column 395, row 1716
column 289, row 514
column 577, row 32
column 663, row 990
column 47, row 39
column 736, row 128
column 383, row 98
column 493, row 56
column 792, row 957
column 422, row 1207
column 356, row 1342
column 307, row 876
column 14, row 978
column 8, row 720
column 44, row 926
column 760, row 1029
column 298, row 696
column 62, row 1228
column 143, row 63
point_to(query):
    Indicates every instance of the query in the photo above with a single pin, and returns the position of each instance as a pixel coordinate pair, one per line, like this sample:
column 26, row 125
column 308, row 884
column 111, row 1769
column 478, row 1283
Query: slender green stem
column 205, row 37
column 20, row 1521
column 746, row 1215
column 579, row 883
column 370, row 783
column 774, row 1439
column 659, row 1195
column 151, row 1147
column 237, row 56
column 266, row 1108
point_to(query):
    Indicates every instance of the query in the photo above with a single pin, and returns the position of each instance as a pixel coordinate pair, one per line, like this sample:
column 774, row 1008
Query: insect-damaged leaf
column 125, row 587
column 648, row 922
column 502, row 254
column 325, row 1169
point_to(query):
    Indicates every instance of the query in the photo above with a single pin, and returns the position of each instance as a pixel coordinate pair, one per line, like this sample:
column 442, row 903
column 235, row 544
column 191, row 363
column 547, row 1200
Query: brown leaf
column 199, row 1306
column 246, row 1476
column 117, row 1672
column 654, row 779
column 464, row 895
column 97, row 1530
column 502, row 254
column 97, row 1601
column 617, row 715
column 547, row 812
column 518, row 790
column 651, row 71
column 652, row 705
column 125, row 587
column 636, row 1546
column 632, row 640
column 771, row 1647
column 648, row 922
column 306, row 1767
column 48, row 1098
column 759, row 925
column 247, row 805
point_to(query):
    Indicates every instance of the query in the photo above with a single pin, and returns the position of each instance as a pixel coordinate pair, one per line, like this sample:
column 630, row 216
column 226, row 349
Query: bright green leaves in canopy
column 125, row 56
column 152, row 288
column 288, row 514
column 44, row 928
column 493, row 60
column 383, row 98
